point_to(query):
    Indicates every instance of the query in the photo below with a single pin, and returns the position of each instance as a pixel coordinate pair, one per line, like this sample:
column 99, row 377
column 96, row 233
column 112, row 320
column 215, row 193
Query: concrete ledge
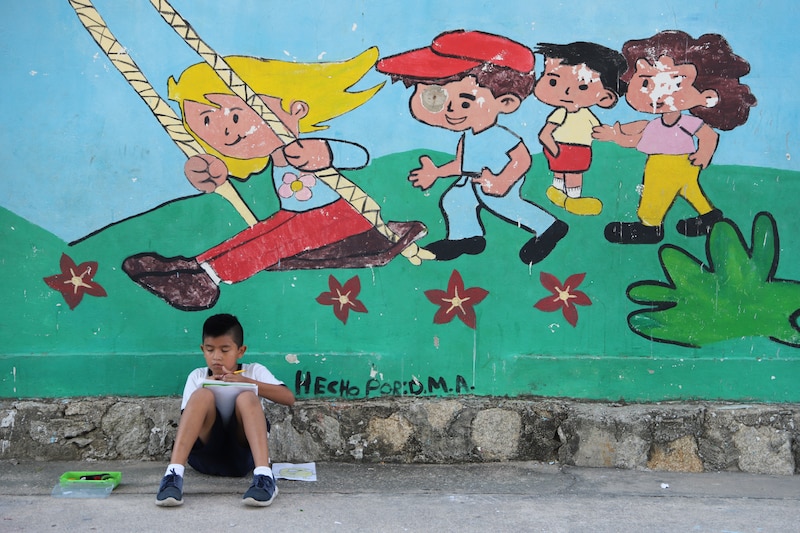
column 679, row 437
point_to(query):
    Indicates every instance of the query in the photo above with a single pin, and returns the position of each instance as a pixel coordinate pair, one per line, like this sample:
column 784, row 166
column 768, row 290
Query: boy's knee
column 201, row 396
column 246, row 399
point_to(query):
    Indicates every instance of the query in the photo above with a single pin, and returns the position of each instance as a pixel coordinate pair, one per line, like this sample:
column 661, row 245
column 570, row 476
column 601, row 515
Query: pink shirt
column 678, row 139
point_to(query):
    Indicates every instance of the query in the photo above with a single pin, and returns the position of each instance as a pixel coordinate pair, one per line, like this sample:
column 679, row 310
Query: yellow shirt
column 573, row 128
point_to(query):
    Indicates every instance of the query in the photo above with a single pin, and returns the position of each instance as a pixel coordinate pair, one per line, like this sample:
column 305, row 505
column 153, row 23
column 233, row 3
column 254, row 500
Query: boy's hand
column 308, row 154
column 491, row 184
column 205, row 172
column 424, row 176
column 231, row 375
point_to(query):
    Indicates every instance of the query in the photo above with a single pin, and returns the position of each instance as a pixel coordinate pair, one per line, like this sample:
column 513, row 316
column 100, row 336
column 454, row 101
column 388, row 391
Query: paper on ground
column 297, row 472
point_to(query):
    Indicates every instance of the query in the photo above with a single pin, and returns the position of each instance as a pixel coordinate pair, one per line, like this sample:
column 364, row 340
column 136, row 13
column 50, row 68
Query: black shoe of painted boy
column 633, row 233
column 700, row 225
column 446, row 249
column 540, row 246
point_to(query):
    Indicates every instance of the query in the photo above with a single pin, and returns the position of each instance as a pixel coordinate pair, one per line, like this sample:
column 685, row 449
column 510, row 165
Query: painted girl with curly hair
column 670, row 73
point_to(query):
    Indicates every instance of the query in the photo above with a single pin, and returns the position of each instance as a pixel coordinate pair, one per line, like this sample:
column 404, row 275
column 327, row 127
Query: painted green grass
column 734, row 293
column 133, row 343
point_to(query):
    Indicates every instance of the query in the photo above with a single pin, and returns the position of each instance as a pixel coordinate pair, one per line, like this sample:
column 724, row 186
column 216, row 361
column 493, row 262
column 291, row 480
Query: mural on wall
column 456, row 301
column 735, row 294
column 354, row 253
column 245, row 113
column 75, row 281
column 343, row 298
column 563, row 297
column 667, row 74
column 462, row 82
column 576, row 77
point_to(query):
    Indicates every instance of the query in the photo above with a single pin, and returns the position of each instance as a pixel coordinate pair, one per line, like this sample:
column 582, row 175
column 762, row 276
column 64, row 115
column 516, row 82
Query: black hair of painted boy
column 608, row 63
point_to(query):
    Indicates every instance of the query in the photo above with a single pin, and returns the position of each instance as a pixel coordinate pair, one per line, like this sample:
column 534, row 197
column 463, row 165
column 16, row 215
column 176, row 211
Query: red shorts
column 571, row 158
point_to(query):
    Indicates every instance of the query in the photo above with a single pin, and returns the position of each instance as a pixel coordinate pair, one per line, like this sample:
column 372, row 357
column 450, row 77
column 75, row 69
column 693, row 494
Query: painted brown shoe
column 179, row 281
column 187, row 291
column 150, row 262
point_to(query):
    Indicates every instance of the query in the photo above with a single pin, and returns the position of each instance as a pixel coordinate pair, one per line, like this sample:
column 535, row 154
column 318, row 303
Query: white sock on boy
column 178, row 469
column 263, row 471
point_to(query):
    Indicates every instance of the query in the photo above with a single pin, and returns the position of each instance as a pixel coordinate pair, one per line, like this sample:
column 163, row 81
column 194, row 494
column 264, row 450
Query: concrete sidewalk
column 359, row 497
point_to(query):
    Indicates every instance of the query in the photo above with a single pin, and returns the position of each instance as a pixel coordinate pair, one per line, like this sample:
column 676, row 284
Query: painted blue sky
column 75, row 134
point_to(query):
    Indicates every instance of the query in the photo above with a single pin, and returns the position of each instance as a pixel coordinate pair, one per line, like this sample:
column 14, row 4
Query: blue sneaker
column 261, row 492
column 170, row 492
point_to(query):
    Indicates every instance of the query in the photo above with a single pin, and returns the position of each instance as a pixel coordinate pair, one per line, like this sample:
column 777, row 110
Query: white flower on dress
column 297, row 186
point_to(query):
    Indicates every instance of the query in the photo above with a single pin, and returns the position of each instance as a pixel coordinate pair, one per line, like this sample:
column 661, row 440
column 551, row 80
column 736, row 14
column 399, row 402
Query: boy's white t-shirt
column 255, row 371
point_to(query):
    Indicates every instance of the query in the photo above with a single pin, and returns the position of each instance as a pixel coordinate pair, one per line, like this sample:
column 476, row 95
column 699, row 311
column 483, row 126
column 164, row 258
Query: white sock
column 558, row 183
column 179, row 469
column 263, row 471
column 211, row 273
column 574, row 192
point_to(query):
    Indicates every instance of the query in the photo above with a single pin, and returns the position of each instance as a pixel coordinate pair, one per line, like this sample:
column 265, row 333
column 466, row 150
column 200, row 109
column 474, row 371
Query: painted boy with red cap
column 463, row 81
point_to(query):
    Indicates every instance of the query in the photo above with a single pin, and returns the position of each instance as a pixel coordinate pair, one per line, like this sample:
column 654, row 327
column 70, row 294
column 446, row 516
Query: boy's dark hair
column 224, row 324
column 498, row 79
column 608, row 63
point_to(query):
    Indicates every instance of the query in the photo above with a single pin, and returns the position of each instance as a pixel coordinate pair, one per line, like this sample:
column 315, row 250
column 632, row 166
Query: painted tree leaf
column 657, row 326
column 765, row 245
column 679, row 325
column 728, row 254
column 787, row 304
column 736, row 296
column 680, row 266
column 652, row 293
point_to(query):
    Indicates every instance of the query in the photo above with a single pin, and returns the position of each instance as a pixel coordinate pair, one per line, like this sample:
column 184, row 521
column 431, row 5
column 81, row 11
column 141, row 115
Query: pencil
column 238, row 371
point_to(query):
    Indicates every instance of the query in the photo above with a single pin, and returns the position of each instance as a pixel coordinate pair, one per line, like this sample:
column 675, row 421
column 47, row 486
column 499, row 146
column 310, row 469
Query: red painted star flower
column 75, row 281
column 563, row 297
column 456, row 301
column 343, row 299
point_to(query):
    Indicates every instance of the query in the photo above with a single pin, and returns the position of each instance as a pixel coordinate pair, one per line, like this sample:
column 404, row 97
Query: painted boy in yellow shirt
column 576, row 76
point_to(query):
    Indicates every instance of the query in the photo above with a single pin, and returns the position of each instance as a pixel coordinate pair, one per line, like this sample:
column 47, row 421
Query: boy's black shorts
column 222, row 455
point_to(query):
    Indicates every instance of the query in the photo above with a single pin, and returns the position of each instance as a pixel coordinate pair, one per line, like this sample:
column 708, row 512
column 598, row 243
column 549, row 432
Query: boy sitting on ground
column 220, row 447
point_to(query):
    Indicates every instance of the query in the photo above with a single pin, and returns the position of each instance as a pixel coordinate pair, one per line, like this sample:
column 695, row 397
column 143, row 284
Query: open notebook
column 225, row 394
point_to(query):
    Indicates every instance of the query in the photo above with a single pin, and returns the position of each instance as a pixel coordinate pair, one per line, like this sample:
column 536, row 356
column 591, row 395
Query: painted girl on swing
column 314, row 227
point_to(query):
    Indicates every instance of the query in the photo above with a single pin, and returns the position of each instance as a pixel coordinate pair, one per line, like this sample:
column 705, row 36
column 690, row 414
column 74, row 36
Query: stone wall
column 688, row 437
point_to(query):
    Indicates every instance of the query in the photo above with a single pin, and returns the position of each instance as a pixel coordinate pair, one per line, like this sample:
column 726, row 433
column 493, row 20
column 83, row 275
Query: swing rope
column 348, row 190
column 165, row 115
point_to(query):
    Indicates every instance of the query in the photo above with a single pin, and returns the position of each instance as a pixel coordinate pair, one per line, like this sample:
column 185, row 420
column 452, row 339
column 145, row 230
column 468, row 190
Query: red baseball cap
column 454, row 52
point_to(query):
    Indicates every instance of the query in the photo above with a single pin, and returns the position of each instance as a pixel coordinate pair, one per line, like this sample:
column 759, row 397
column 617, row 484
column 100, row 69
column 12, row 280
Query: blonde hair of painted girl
column 323, row 86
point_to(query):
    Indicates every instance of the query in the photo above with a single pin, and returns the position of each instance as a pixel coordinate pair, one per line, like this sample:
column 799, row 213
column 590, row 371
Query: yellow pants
column 665, row 178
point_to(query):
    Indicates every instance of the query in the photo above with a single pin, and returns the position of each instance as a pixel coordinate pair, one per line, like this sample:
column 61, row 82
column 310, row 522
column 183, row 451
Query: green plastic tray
column 99, row 477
